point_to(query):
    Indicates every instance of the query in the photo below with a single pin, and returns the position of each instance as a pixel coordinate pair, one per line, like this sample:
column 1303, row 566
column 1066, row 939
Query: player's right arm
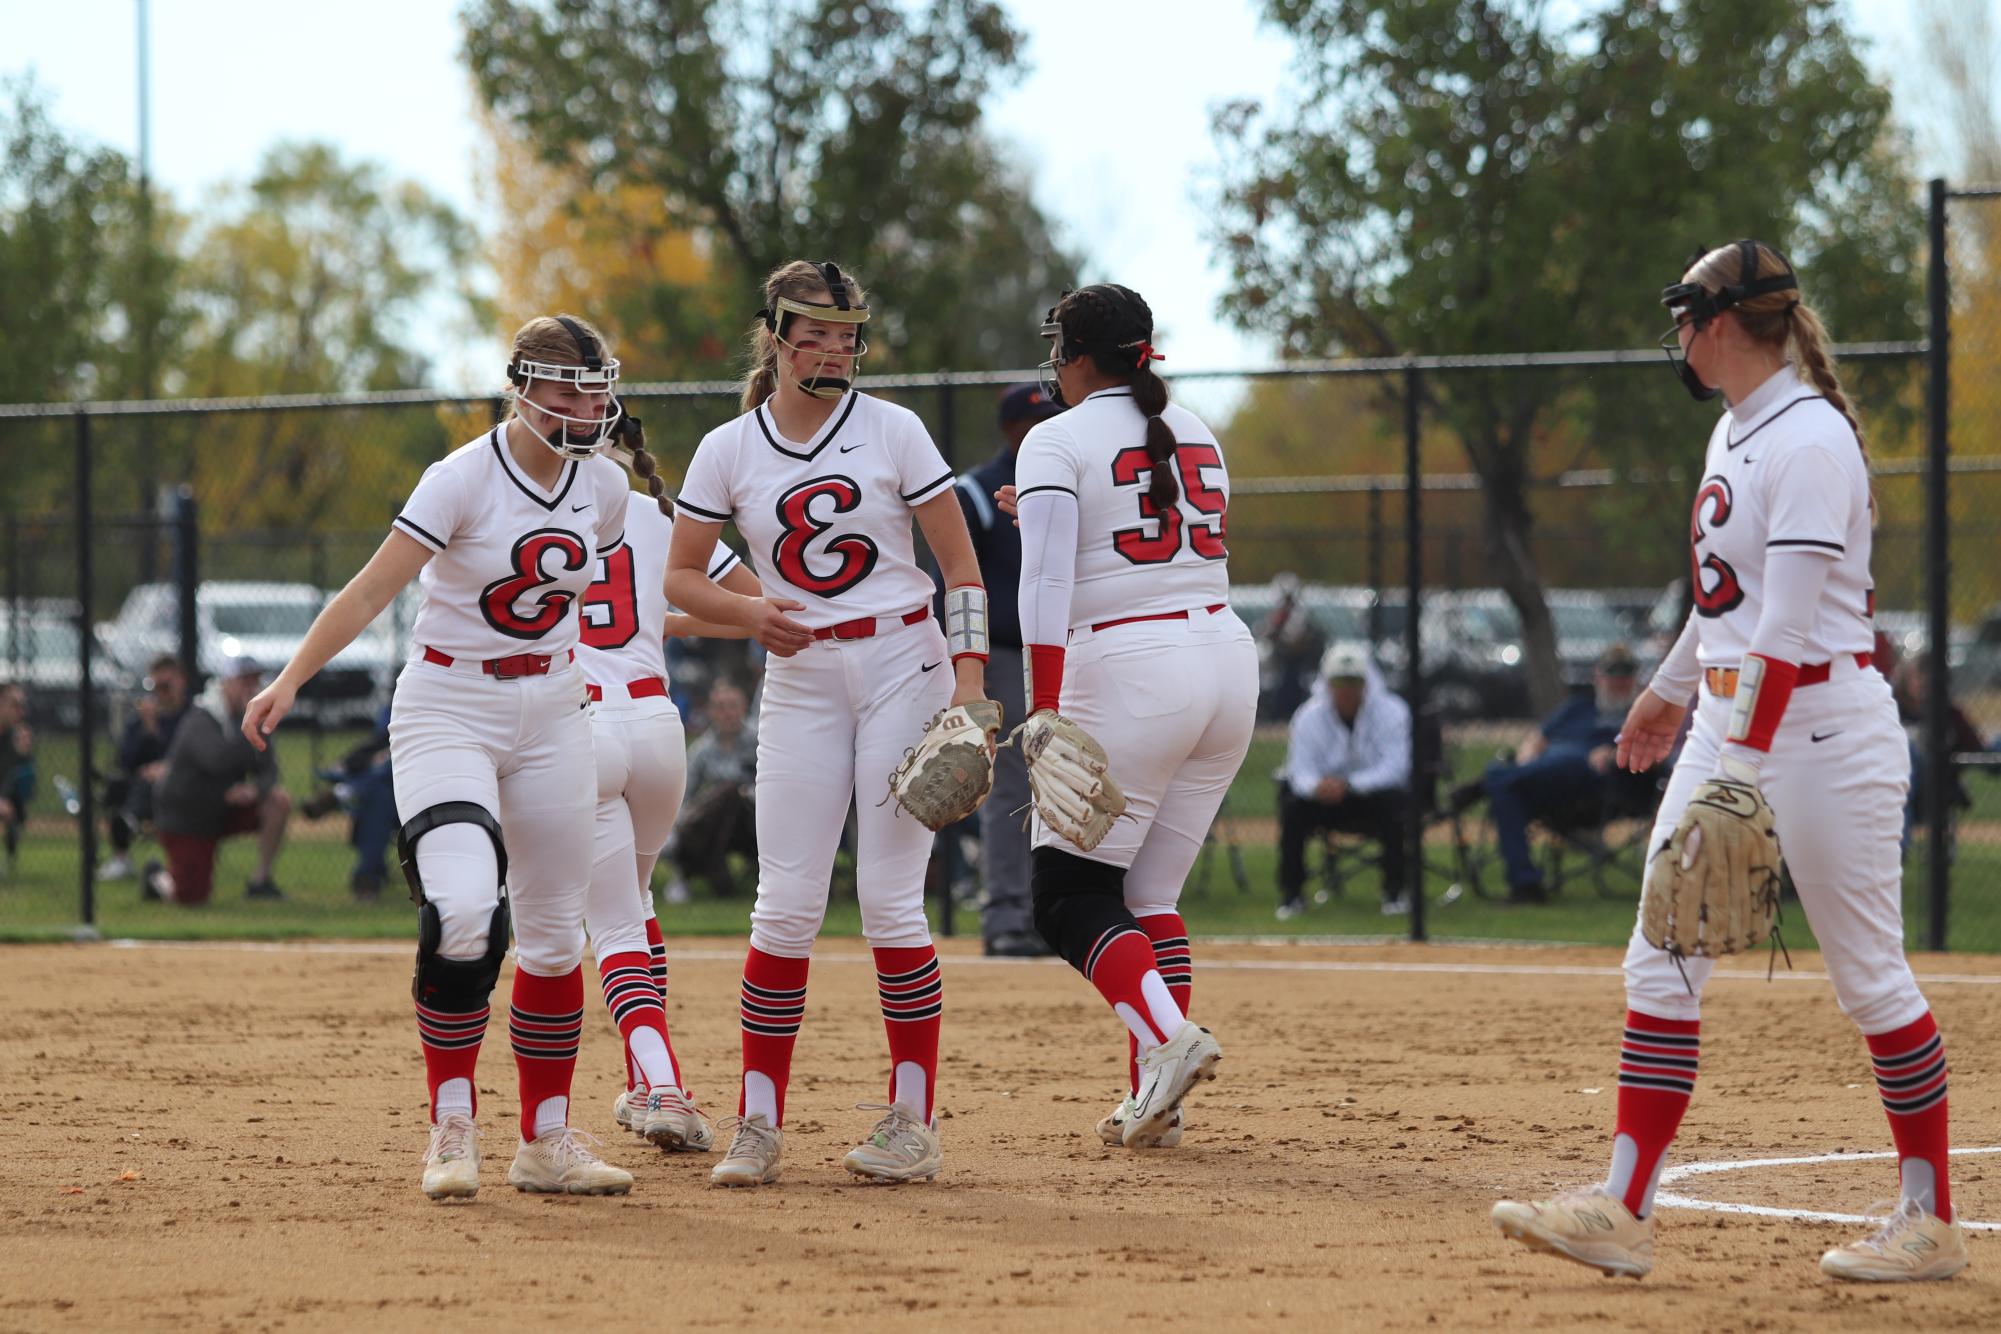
column 690, row 588
column 394, row 564
column 739, row 579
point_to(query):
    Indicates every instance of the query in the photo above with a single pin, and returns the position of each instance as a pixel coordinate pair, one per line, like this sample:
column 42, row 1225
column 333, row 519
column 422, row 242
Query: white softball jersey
column 1783, row 472
column 1133, row 560
column 511, row 559
column 826, row 521
column 625, row 608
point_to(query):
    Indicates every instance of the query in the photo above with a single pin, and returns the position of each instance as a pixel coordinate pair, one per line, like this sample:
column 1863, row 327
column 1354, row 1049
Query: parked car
column 1980, row 668
column 265, row 622
column 40, row 650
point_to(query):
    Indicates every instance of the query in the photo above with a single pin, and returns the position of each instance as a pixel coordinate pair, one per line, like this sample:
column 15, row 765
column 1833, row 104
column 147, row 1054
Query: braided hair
column 630, row 448
column 1113, row 326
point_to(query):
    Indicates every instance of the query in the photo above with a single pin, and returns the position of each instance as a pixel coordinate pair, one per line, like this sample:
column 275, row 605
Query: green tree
column 844, row 129
column 1475, row 176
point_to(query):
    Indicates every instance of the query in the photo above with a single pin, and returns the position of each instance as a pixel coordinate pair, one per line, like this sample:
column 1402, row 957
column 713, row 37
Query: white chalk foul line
column 1666, row 1200
column 1235, row 965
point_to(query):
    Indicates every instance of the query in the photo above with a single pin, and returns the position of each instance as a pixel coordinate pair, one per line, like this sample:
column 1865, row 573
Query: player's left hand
column 1005, row 499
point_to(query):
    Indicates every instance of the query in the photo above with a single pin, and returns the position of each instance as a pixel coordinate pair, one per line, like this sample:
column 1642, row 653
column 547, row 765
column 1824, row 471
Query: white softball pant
column 521, row 749
column 1839, row 804
column 1173, row 704
column 642, row 761
column 834, row 723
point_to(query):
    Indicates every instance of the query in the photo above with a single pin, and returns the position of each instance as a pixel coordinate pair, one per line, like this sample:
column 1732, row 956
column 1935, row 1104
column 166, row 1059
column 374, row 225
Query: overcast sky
column 382, row 80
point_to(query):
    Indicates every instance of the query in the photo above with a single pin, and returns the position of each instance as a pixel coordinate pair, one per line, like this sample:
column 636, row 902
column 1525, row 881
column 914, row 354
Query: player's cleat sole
column 1586, row 1226
column 1912, row 1246
column 1112, row 1128
column 670, row 1122
column 752, row 1159
column 1166, row 1075
column 562, row 1163
column 451, row 1162
column 900, row 1148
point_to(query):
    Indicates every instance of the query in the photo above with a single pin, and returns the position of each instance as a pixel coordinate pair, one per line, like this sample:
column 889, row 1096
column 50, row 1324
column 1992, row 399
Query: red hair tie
column 1146, row 354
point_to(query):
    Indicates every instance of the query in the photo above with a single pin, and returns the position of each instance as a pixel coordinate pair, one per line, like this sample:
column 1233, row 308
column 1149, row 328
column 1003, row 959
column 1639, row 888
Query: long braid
column 1809, row 348
column 632, row 437
column 1114, row 326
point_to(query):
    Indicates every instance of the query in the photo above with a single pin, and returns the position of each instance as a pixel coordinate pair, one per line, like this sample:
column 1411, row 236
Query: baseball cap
column 1345, row 662
column 1617, row 660
column 1026, row 403
column 233, row 667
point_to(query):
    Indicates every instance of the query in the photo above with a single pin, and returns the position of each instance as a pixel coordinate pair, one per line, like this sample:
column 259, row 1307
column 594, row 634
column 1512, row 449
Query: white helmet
column 579, row 437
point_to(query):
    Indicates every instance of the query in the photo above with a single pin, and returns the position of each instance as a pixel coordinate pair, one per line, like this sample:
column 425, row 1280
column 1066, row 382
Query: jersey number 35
column 1162, row 543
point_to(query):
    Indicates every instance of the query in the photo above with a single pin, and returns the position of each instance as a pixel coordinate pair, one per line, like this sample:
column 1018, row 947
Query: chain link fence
column 183, row 535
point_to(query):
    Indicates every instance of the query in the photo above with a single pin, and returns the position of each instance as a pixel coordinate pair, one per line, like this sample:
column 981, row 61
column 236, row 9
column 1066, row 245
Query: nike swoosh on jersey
column 1822, row 736
column 578, row 509
column 940, row 662
column 849, row 449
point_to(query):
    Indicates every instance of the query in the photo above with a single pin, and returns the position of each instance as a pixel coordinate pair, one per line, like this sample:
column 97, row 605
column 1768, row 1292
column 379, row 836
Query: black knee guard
column 453, row 986
column 445, row 812
column 1077, row 902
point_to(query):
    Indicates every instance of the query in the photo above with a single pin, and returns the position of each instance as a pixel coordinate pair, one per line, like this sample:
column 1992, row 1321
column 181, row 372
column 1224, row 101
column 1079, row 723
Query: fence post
column 1375, row 560
column 1414, row 671
column 1938, row 572
column 187, row 579
column 86, row 639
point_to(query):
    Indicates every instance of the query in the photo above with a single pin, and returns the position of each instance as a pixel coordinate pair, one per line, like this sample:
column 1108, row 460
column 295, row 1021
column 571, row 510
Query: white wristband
column 966, row 622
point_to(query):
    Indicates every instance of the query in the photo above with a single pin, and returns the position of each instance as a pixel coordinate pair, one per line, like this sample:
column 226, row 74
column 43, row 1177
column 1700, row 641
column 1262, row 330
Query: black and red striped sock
column 546, row 1023
column 1911, row 1076
column 1176, row 962
column 1120, row 965
column 771, row 1008
column 913, row 1006
column 451, row 1041
column 1657, row 1063
column 634, row 1002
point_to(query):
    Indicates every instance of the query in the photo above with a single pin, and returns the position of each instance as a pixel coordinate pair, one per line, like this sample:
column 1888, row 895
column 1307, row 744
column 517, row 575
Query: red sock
column 451, row 1048
column 1118, row 966
column 1657, row 1061
column 657, row 949
column 771, row 1007
column 913, row 1005
column 1910, row 1074
column 546, row 1024
column 634, row 1003
column 1171, row 956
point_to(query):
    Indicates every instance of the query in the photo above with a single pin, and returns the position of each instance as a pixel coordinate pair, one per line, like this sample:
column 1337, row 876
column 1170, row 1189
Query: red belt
column 1158, row 616
column 1722, row 681
column 646, row 687
column 503, row 669
column 866, row 627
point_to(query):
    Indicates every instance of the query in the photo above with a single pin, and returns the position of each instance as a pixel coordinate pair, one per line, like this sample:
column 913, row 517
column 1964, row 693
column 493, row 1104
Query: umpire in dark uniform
column 1007, row 923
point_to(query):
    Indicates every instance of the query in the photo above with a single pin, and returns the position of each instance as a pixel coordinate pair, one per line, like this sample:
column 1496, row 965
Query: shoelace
column 452, row 1135
column 746, row 1140
column 895, row 1121
column 1901, row 1215
column 575, row 1146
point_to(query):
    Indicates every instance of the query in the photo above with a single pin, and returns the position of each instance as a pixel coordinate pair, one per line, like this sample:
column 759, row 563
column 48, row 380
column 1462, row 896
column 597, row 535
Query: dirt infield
column 219, row 1137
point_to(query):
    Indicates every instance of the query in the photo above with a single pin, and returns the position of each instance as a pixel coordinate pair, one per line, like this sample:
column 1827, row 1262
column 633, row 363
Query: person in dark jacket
column 142, row 757
column 17, row 767
column 216, row 784
column 1006, row 923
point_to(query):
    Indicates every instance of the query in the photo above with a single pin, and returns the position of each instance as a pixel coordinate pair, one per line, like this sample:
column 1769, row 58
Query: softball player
column 1125, row 611
column 1779, row 643
column 642, row 764
column 491, row 744
column 822, row 482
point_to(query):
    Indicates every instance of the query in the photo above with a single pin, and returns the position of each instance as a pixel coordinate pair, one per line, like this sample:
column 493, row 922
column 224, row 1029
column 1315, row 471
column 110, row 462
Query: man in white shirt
column 1347, row 768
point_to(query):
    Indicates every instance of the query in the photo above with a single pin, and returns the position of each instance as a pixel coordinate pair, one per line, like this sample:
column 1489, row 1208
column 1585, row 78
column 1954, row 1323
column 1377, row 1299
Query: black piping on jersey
column 419, row 531
column 614, row 545
column 1835, row 547
column 1020, row 496
column 569, row 476
column 933, row 485
column 813, row 453
column 1804, row 398
column 1108, row 393
column 700, row 513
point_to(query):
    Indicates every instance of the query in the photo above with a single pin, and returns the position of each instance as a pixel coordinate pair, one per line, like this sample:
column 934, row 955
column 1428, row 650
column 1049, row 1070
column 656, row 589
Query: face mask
column 838, row 310
column 573, row 437
column 1694, row 304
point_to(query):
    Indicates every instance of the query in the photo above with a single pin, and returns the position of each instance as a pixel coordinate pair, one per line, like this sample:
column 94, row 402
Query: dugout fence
column 1401, row 503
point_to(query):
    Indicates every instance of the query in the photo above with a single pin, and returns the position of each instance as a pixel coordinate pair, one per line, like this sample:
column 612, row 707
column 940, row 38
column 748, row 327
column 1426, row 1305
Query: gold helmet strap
column 838, row 310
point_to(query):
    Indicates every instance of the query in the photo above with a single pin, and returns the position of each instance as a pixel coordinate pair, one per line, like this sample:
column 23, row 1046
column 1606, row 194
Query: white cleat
column 668, row 1119
column 562, row 1163
column 1166, row 1075
column 451, row 1163
column 752, row 1159
column 625, row 1108
column 900, row 1148
column 1912, row 1246
column 1588, row 1225
column 1112, row 1129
